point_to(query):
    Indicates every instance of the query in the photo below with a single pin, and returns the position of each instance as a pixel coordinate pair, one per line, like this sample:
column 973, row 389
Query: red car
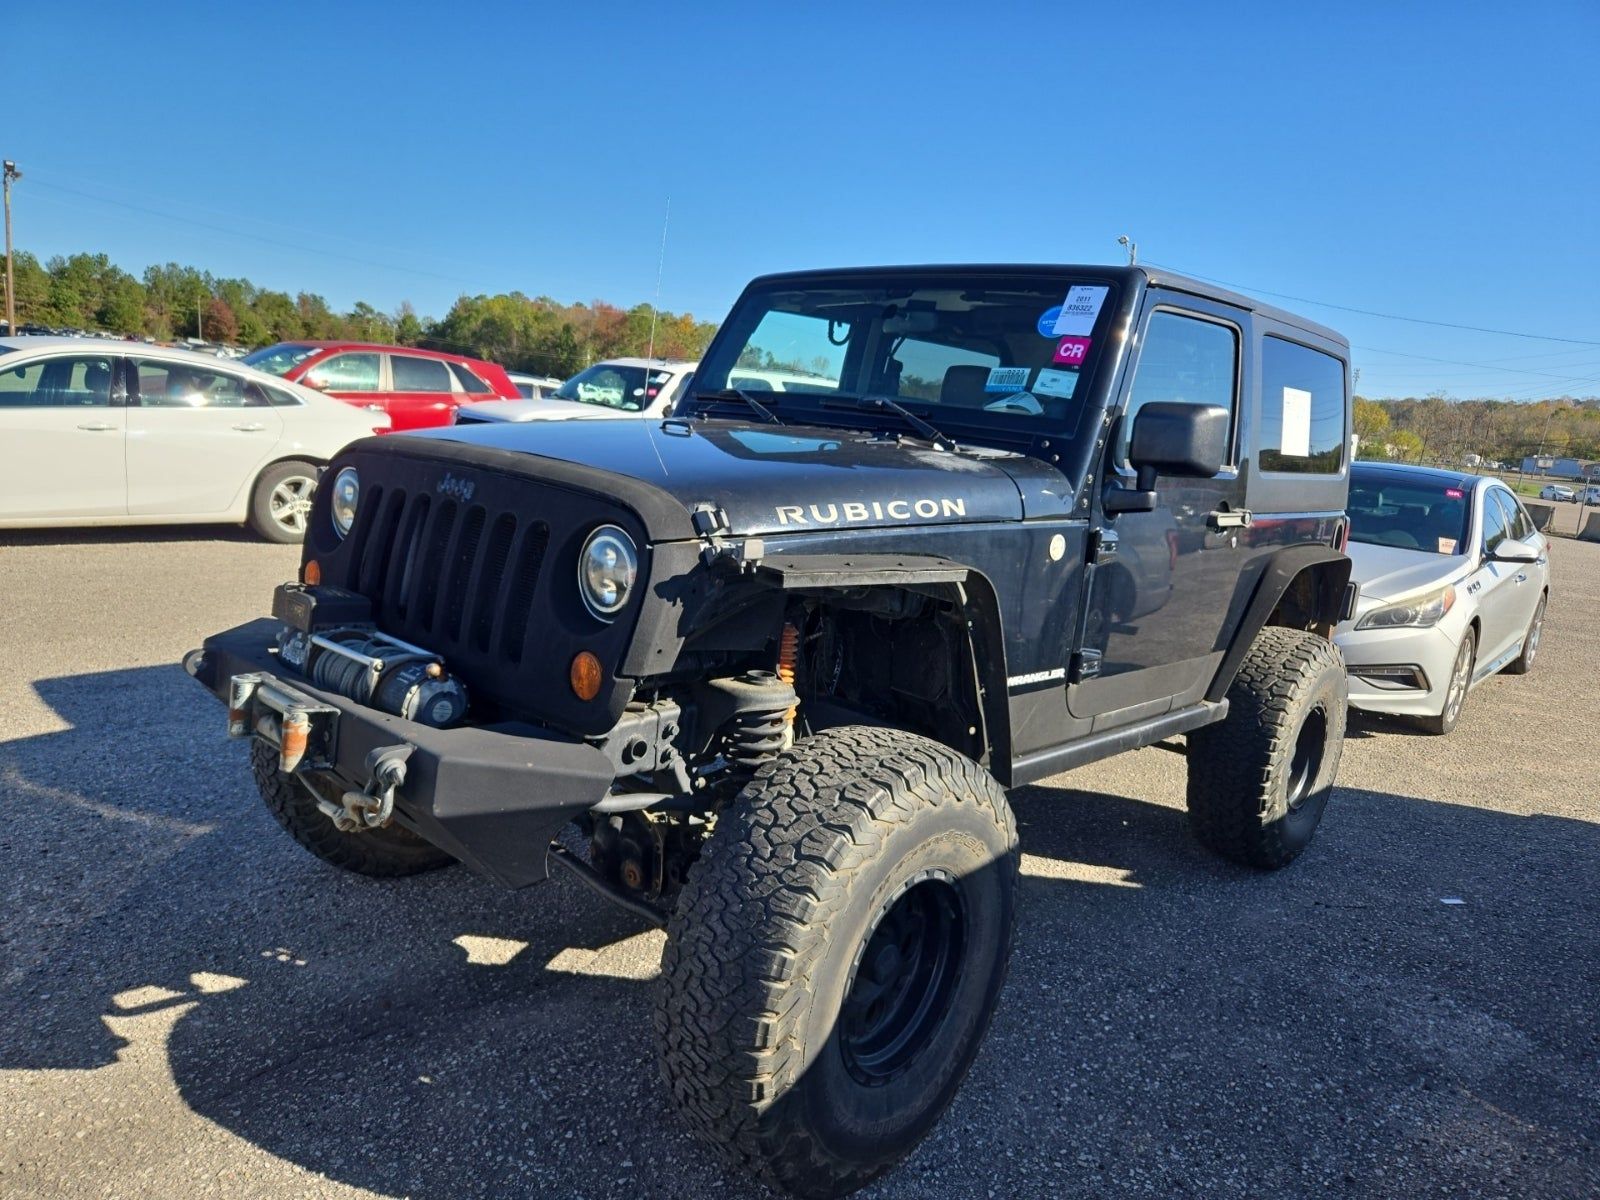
column 417, row 388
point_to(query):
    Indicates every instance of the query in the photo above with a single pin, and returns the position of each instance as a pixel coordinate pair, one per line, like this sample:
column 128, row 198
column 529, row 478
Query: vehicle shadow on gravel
column 1172, row 1024
column 127, row 535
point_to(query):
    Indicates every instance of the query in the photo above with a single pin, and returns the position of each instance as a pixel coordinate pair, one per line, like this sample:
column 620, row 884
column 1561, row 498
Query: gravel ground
column 190, row 1005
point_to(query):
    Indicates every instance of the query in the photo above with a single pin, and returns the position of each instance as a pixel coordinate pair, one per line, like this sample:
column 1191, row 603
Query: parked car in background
column 1454, row 579
column 1589, row 495
column 1557, row 491
column 533, row 387
column 98, row 432
column 418, row 389
column 618, row 387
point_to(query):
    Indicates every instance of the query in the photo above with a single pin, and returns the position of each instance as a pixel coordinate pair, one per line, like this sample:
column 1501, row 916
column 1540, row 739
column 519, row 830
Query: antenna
column 661, row 266
column 1131, row 247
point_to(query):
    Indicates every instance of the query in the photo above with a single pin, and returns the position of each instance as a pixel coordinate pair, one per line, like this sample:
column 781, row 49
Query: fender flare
column 966, row 586
column 1326, row 574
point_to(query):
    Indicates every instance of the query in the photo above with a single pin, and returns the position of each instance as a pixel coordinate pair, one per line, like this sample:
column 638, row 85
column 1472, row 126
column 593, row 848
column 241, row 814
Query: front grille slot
column 438, row 537
column 495, row 556
column 458, row 577
column 524, row 579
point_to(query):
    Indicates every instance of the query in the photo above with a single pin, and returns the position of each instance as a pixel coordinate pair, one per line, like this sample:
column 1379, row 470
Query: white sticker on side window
column 1079, row 310
column 1007, row 379
column 1296, row 439
column 1056, row 383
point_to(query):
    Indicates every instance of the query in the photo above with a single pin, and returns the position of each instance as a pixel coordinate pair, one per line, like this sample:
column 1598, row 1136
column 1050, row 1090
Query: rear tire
column 836, row 955
column 1259, row 779
column 1523, row 663
column 280, row 503
column 383, row 853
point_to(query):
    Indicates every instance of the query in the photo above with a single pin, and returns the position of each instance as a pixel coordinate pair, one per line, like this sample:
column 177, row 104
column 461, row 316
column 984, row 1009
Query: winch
column 359, row 662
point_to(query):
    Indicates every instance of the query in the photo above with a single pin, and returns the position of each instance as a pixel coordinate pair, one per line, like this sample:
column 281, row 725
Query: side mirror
column 1513, row 551
column 1171, row 438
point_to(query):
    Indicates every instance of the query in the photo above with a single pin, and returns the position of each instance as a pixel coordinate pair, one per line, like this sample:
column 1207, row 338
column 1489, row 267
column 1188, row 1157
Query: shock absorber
column 788, row 655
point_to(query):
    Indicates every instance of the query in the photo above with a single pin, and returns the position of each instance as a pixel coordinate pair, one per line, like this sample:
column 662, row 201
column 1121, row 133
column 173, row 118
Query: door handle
column 97, row 427
column 250, row 427
column 1229, row 518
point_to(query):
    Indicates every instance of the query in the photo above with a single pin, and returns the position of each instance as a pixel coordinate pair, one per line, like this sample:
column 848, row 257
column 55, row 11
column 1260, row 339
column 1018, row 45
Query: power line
column 1367, row 312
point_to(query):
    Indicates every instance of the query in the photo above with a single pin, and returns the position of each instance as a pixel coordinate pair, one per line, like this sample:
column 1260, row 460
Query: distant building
column 1561, row 468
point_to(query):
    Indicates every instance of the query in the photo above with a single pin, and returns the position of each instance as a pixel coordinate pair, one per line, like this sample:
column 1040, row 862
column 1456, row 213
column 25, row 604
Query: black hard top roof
column 1133, row 275
column 1406, row 471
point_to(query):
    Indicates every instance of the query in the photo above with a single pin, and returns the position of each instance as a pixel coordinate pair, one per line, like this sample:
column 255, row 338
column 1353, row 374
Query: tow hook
column 373, row 806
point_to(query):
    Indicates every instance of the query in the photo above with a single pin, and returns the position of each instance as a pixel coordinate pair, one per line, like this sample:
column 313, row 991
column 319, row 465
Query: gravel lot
column 190, row 1005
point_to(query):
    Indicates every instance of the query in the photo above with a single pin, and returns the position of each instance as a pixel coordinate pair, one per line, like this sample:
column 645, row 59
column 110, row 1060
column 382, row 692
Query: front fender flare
column 1310, row 580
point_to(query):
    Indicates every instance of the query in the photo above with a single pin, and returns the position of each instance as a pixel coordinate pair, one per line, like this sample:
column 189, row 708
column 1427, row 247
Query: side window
column 1517, row 521
column 72, row 382
column 1184, row 359
column 1496, row 525
column 345, row 373
column 180, row 385
column 469, row 382
column 1302, row 409
column 419, row 374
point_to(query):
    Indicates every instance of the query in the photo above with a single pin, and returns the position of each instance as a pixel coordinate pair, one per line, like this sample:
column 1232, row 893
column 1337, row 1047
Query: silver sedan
column 1454, row 580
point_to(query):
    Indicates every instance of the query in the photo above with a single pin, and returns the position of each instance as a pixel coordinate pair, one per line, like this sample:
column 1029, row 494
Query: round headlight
column 607, row 569
column 346, row 494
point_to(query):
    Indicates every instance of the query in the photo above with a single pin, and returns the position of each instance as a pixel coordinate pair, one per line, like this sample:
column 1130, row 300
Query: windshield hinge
column 711, row 523
column 1102, row 545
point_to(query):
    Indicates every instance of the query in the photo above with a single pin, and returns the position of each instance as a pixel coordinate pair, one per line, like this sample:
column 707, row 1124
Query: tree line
column 1438, row 429
column 536, row 334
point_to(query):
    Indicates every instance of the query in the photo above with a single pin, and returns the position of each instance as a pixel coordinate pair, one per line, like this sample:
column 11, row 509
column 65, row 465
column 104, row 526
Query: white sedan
column 100, row 432
column 616, row 388
column 1556, row 491
column 1454, row 581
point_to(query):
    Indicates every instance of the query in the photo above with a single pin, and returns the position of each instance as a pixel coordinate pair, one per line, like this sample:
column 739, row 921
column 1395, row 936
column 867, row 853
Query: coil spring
column 754, row 737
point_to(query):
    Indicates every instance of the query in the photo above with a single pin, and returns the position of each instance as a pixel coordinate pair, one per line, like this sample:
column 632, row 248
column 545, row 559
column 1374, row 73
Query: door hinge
column 1085, row 665
column 1102, row 545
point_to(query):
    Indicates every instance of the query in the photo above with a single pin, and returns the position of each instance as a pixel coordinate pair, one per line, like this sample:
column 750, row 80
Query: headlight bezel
column 350, row 474
column 627, row 565
column 1423, row 610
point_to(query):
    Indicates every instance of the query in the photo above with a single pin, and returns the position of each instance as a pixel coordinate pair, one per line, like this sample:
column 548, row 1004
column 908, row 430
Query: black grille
column 446, row 575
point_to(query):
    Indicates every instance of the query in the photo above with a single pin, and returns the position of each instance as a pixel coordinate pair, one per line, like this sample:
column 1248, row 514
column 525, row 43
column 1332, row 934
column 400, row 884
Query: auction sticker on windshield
column 1056, row 383
column 1072, row 351
column 1048, row 319
column 1079, row 310
column 1007, row 379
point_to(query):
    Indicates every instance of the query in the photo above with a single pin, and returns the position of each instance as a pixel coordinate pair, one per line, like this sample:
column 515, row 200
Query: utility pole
column 11, row 176
column 199, row 322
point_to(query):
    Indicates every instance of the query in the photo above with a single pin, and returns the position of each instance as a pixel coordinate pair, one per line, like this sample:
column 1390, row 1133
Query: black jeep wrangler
column 762, row 671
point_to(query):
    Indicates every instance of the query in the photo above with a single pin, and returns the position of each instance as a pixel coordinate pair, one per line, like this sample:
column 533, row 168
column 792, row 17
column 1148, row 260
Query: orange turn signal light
column 311, row 573
column 585, row 675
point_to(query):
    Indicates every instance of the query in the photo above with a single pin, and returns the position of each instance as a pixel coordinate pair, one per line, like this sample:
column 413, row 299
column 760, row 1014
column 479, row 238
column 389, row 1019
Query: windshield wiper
column 761, row 409
column 925, row 428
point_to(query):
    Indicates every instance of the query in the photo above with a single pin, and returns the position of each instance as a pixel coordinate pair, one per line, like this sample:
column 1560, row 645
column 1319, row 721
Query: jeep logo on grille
column 460, row 489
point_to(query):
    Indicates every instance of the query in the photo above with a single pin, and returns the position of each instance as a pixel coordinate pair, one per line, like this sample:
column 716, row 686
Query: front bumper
column 493, row 797
column 1400, row 671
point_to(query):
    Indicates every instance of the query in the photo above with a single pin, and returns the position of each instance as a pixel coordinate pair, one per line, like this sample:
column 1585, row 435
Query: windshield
column 613, row 385
column 280, row 359
column 964, row 348
column 1412, row 515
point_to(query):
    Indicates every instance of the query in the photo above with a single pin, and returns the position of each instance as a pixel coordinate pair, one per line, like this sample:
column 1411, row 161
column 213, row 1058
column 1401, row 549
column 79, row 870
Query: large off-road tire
column 1455, row 688
column 835, row 957
column 380, row 852
column 1523, row 663
column 280, row 502
column 1259, row 779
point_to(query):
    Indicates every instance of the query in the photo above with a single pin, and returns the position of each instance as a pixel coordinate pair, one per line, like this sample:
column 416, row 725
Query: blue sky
column 1429, row 160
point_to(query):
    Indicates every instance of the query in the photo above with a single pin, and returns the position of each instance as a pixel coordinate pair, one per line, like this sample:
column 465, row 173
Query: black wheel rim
column 904, row 978
column 1306, row 762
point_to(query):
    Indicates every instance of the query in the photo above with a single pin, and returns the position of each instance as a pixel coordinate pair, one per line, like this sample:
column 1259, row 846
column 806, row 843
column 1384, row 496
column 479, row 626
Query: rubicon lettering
column 857, row 512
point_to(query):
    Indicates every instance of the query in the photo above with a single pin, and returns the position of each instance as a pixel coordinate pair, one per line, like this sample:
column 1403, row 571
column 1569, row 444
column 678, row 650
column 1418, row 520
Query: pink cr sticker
column 1072, row 351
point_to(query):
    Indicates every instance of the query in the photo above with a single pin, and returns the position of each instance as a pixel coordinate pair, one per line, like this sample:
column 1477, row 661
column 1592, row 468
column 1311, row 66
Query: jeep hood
column 772, row 479
column 547, row 409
